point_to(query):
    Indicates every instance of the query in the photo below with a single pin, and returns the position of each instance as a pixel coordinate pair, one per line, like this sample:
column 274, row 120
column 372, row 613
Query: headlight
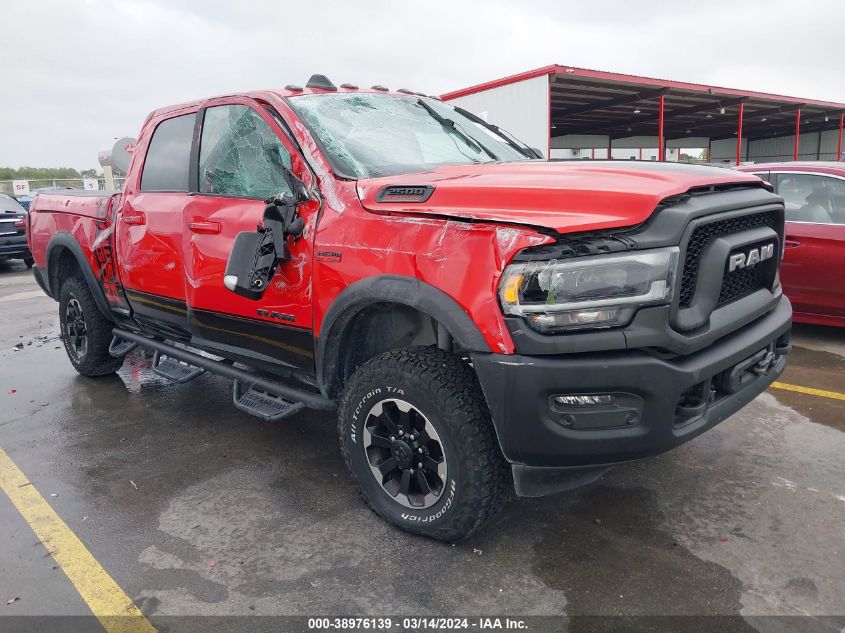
column 588, row 292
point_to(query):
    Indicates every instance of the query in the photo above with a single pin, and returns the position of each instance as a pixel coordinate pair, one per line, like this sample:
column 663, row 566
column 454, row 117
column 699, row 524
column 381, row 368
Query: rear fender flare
column 63, row 240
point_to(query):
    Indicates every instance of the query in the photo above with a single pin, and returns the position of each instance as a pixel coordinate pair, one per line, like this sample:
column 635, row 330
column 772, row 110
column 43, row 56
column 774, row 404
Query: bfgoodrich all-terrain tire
column 86, row 333
column 416, row 435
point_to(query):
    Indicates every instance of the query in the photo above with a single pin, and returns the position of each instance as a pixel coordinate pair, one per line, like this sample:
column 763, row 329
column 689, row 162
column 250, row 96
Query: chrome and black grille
column 735, row 284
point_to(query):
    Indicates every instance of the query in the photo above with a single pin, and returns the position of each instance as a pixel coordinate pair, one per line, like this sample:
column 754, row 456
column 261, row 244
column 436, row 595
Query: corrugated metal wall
column 521, row 108
column 595, row 146
column 724, row 150
column 812, row 147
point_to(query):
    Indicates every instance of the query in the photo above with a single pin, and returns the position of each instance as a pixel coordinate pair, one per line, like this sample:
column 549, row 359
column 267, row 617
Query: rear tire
column 29, row 262
column 86, row 333
column 423, row 406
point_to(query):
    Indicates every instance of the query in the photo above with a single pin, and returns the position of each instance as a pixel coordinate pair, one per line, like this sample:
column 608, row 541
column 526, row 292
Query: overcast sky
column 79, row 73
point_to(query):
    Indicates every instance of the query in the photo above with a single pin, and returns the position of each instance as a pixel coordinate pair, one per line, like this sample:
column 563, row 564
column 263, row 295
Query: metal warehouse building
column 572, row 112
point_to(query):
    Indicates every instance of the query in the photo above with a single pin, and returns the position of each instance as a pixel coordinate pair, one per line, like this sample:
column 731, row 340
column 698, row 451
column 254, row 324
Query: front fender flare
column 398, row 289
column 66, row 240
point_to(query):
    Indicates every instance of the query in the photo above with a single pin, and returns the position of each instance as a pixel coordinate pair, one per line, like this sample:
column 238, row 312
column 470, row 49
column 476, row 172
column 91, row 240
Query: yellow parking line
column 809, row 390
column 112, row 607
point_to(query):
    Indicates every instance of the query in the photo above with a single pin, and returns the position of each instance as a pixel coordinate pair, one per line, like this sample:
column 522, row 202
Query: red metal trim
column 572, row 71
column 739, row 133
column 797, row 133
column 549, row 97
column 641, row 153
column 661, row 149
column 839, row 144
column 504, row 81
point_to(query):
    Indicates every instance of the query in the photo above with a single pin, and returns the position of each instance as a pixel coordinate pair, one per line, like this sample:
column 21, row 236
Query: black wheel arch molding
column 395, row 289
column 63, row 239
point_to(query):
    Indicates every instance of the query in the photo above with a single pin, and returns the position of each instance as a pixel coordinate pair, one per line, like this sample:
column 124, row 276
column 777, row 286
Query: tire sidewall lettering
column 413, row 518
column 360, row 411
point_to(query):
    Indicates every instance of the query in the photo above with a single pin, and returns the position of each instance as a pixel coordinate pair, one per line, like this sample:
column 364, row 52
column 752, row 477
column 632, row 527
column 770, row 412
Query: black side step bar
column 120, row 348
column 175, row 370
column 289, row 393
column 258, row 402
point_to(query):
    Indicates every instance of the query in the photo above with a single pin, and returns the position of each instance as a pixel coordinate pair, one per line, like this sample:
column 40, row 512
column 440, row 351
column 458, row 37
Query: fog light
column 548, row 322
column 582, row 400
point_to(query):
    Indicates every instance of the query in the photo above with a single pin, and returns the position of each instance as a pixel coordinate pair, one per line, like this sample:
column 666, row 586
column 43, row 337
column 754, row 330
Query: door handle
column 791, row 243
column 135, row 218
column 206, row 228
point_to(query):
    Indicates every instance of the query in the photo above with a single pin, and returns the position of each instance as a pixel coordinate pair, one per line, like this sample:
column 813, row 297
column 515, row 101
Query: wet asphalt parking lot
column 195, row 508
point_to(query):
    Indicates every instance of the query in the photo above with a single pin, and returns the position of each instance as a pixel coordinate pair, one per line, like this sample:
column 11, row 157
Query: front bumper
column 659, row 402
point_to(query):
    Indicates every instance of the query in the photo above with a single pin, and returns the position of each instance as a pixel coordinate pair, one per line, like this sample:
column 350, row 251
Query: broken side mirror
column 256, row 254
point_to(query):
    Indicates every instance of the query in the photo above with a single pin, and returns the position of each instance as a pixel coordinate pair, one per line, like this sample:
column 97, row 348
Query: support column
column 839, row 143
column 550, row 121
column 797, row 133
column 739, row 134
column 661, row 149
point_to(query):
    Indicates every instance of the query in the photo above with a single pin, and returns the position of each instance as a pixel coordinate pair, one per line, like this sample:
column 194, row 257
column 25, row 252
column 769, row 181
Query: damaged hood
column 563, row 196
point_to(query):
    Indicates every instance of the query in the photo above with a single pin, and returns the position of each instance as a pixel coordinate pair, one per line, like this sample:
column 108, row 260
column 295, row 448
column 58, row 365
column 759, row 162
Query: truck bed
column 91, row 204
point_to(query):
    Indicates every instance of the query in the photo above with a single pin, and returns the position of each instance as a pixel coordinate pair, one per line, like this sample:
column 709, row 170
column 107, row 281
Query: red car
column 813, row 269
column 482, row 320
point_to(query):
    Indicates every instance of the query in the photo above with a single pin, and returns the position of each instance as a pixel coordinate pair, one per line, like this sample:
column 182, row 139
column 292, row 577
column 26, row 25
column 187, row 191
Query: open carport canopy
column 591, row 102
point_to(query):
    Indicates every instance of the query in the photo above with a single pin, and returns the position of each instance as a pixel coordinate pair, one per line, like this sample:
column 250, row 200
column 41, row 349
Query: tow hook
column 742, row 373
column 763, row 366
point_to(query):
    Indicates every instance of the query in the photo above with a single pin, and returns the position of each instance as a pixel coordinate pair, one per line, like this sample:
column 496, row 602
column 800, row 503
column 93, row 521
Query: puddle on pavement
column 610, row 556
column 818, row 370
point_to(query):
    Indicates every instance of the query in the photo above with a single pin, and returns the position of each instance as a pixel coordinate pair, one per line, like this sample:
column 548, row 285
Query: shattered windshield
column 369, row 135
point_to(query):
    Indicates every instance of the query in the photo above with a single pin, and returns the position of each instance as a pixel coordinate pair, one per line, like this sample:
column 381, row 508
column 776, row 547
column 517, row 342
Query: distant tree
column 688, row 158
column 39, row 173
column 89, row 173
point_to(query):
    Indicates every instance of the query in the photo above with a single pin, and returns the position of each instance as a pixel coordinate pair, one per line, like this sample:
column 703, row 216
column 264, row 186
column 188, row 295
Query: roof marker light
column 320, row 82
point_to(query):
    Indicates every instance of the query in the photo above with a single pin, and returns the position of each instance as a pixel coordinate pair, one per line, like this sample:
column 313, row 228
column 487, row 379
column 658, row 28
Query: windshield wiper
column 452, row 125
column 506, row 136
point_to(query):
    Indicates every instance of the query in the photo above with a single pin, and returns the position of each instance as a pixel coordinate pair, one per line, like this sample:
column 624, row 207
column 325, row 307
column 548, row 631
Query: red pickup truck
column 481, row 319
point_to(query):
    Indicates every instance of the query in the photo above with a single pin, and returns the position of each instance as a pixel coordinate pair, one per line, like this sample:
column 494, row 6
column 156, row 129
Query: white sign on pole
column 20, row 187
column 90, row 184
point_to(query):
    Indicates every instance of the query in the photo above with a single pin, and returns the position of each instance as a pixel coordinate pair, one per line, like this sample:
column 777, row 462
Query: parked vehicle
column 13, row 244
column 482, row 320
column 814, row 259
